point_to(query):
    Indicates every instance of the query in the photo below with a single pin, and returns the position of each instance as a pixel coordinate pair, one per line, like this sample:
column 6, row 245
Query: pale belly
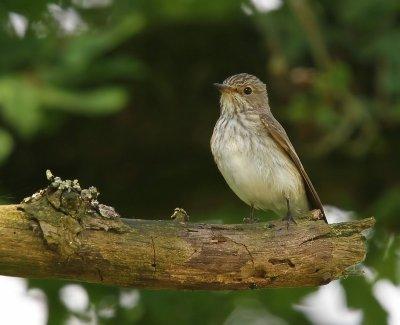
column 261, row 175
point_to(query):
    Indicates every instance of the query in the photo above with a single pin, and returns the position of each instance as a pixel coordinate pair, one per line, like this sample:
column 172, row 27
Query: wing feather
column 276, row 130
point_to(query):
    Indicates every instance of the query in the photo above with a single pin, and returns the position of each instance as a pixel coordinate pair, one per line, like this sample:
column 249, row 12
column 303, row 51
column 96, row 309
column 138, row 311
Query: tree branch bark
column 66, row 234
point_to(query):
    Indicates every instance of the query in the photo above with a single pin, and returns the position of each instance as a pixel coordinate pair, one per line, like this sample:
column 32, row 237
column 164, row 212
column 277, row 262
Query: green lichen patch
column 63, row 210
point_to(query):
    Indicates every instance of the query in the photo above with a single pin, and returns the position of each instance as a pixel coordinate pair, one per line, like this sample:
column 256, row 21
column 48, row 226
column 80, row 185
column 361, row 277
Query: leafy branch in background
column 25, row 103
column 55, row 68
column 348, row 114
column 64, row 48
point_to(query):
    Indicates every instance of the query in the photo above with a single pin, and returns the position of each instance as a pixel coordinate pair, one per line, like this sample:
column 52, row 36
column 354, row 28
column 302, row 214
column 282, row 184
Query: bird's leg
column 289, row 216
column 251, row 219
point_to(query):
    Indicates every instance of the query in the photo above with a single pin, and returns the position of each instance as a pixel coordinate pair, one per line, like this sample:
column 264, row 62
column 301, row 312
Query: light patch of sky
column 335, row 214
column 74, row 297
column 69, row 20
column 129, row 298
column 369, row 273
column 20, row 305
column 267, row 5
column 327, row 305
column 18, row 23
column 388, row 295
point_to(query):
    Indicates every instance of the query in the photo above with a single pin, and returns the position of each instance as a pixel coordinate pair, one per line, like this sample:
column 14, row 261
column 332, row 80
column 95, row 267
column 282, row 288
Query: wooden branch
column 64, row 233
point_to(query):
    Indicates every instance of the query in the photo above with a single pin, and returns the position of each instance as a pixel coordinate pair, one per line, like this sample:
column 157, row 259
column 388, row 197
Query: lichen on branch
column 62, row 210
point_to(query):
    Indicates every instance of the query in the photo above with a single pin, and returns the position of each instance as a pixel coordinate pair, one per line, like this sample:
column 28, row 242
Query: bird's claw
column 289, row 219
column 250, row 220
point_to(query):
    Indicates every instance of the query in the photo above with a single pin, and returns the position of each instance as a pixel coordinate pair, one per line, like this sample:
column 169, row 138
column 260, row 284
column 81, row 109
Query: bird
column 254, row 154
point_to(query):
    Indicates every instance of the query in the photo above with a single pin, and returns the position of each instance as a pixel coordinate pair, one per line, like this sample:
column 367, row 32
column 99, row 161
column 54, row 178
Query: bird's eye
column 247, row 90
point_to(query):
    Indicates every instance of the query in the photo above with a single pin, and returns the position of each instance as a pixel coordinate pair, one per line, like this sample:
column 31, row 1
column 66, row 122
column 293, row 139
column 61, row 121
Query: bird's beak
column 223, row 88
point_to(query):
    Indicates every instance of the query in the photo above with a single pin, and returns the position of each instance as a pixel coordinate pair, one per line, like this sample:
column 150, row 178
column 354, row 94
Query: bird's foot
column 251, row 219
column 289, row 219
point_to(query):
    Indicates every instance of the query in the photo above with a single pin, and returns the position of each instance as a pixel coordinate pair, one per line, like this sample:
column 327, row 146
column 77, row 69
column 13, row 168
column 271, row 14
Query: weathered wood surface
column 57, row 235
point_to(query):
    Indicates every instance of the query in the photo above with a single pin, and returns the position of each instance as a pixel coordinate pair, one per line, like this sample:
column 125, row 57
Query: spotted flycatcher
column 255, row 155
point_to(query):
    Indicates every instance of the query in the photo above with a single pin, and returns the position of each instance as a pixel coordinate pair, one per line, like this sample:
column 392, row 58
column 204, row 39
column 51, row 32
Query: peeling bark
column 64, row 233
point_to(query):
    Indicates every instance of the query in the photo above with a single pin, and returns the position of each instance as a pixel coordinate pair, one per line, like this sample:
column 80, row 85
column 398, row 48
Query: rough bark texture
column 59, row 233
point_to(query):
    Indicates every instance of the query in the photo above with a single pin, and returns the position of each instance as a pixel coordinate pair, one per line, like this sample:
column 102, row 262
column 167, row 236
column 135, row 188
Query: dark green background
column 127, row 105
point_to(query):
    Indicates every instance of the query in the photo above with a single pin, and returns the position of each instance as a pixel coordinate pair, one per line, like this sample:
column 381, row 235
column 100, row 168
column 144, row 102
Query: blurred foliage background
column 118, row 94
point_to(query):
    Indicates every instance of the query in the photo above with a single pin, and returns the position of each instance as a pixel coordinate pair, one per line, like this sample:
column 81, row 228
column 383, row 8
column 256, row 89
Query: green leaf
column 19, row 105
column 99, row 101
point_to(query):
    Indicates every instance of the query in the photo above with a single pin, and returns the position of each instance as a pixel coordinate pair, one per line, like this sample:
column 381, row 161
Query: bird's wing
column 276, row 130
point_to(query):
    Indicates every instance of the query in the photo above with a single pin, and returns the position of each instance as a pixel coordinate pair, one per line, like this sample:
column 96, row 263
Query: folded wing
column 276, row 130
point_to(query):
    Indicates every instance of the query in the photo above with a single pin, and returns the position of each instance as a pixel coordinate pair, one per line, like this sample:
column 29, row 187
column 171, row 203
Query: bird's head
column 242, row 93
